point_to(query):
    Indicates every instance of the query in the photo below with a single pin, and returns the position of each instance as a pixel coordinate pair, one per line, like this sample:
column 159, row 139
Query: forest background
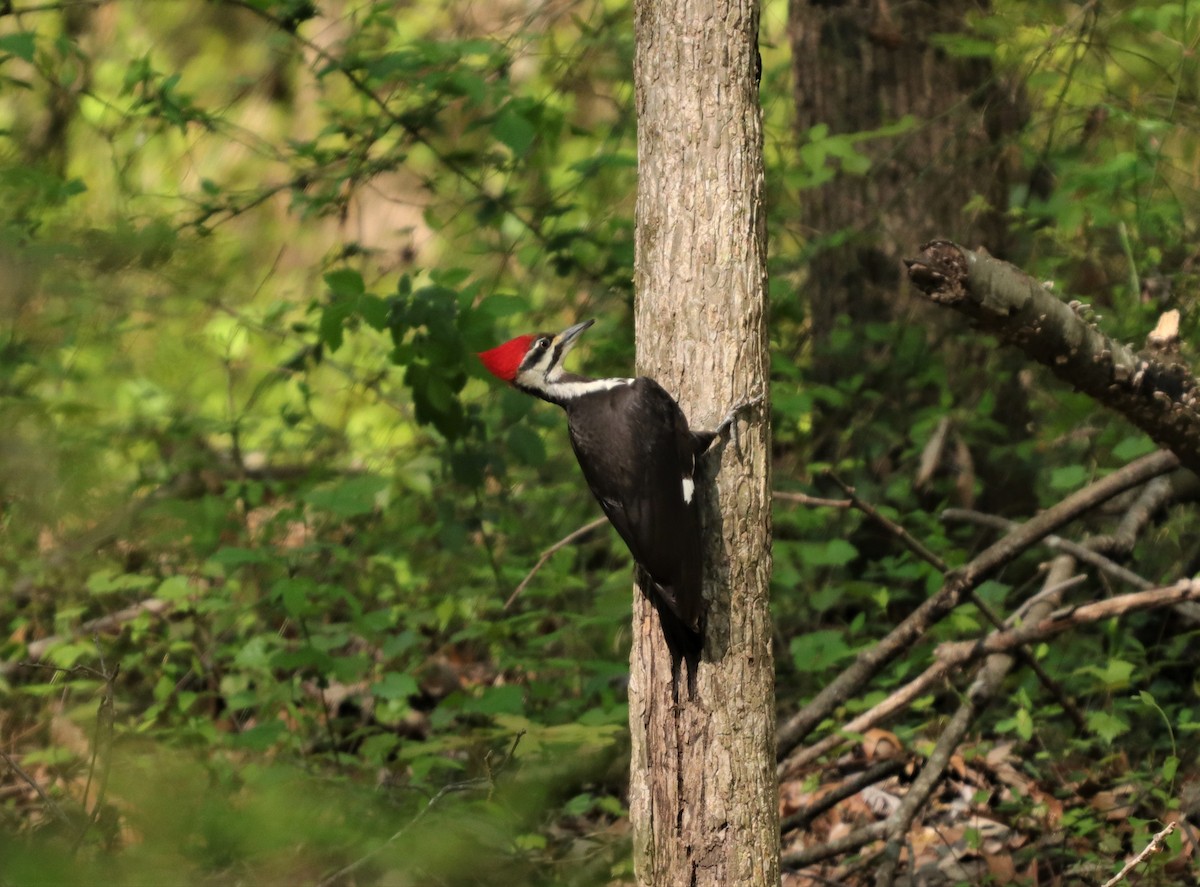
column 265, row 519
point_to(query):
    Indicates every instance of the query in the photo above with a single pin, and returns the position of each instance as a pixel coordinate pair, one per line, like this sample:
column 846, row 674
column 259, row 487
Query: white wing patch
column 689, row 489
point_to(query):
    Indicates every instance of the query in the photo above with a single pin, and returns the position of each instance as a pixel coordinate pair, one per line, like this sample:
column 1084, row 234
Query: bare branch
column 1157, row 394
column 876, row 773
column 1153, row 847
column 1066, row 546
column 958, row 584
column 856, row 840
column 1071, row 617
column 37, row 649
column 910, row 542
column 805, row 499
column 50, row 803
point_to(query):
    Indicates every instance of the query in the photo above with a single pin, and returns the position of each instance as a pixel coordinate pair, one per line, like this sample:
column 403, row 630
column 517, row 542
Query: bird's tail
column 685, row 643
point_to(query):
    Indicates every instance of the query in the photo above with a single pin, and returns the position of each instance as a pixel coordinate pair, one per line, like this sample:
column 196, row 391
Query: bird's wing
column 638, row 457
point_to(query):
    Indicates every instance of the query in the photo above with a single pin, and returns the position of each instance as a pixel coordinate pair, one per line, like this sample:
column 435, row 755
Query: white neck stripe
column 581, row 387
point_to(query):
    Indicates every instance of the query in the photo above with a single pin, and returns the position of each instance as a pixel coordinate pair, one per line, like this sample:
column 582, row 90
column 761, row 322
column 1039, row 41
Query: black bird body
column 639, row 458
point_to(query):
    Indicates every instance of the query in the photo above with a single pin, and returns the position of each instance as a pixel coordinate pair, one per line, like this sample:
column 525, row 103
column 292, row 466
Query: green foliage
column 249, row 251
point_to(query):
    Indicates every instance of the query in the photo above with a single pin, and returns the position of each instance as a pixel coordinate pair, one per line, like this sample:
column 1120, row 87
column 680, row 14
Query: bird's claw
column 729, row 423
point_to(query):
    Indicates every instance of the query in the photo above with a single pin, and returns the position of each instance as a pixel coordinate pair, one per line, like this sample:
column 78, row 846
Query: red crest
column 503, row 361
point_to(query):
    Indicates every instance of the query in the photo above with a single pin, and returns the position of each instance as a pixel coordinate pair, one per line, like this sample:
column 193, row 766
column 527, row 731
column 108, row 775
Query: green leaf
column 1115, row 675
column 237, row 557
column 1169, row 768
column 350, row 497
column 964, row 46
column 108, row 581
column 818, row 650
column 509, row 700
column 21, row 44
column 1132, row 447
column 514, row 130
column 1069, row 477
column 294, row 594
column 1105, row 725
column 333, row 319
column 374, row 310
column 395, row 685
column 345, row 283
column 175, row 588
column 834, row 553
column 526, row 444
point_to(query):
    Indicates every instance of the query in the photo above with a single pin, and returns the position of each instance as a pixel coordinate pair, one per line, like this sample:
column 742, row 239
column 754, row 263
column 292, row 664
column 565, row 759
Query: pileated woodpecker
column 639, row 459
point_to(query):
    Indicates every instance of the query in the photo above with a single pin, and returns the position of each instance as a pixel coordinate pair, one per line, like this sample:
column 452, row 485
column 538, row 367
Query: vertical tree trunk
column 703, row 797
column 862, row 64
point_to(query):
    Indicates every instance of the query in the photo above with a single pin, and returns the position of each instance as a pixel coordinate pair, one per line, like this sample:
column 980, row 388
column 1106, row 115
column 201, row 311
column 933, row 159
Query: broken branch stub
column 1157, row 395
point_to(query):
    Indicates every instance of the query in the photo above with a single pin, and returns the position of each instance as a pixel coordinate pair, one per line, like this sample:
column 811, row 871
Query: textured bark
column 703, row 796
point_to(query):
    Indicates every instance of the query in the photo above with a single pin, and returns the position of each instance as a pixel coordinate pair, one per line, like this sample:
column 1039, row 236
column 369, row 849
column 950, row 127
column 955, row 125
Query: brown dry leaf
column 932, row 454
column 879, row 802
column 926, row 844
column 1001, row 868
column 1115, row 804
column 880, row 745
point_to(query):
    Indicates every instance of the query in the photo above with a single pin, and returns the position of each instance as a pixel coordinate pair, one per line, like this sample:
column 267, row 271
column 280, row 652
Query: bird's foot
column 729, row 423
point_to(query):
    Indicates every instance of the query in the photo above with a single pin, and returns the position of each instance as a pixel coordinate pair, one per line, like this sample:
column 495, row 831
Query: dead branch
column 1066, row 546
column 1156, row 393
column 1180, row 486
column 912, row 544
column 856, row 840
column 1070, row 617
column 805, row 499
column 868, row 663
column 50, row 803
column 104, row 624
column 1153, row 847
column 987, row 683
column 851, row 787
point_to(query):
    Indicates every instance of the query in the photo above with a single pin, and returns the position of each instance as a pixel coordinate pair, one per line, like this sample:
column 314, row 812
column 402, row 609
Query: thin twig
column 549, row 552
column 876, row 773
column 910, row 542
column 37, row 649
column 102, row 737
column 50, row 803
column 1153, row 847
column 1083, row 553
column 805, row 499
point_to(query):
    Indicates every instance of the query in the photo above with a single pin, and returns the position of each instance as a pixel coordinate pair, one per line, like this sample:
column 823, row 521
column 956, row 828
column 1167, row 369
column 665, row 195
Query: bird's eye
column 543, row 343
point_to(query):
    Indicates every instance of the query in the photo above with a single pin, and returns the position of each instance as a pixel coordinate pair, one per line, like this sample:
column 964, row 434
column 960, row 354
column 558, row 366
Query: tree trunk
column 859, row 65
column 703, row 796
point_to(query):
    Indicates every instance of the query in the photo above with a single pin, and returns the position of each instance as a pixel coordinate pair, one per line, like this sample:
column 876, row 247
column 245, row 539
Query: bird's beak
column 566, row 339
